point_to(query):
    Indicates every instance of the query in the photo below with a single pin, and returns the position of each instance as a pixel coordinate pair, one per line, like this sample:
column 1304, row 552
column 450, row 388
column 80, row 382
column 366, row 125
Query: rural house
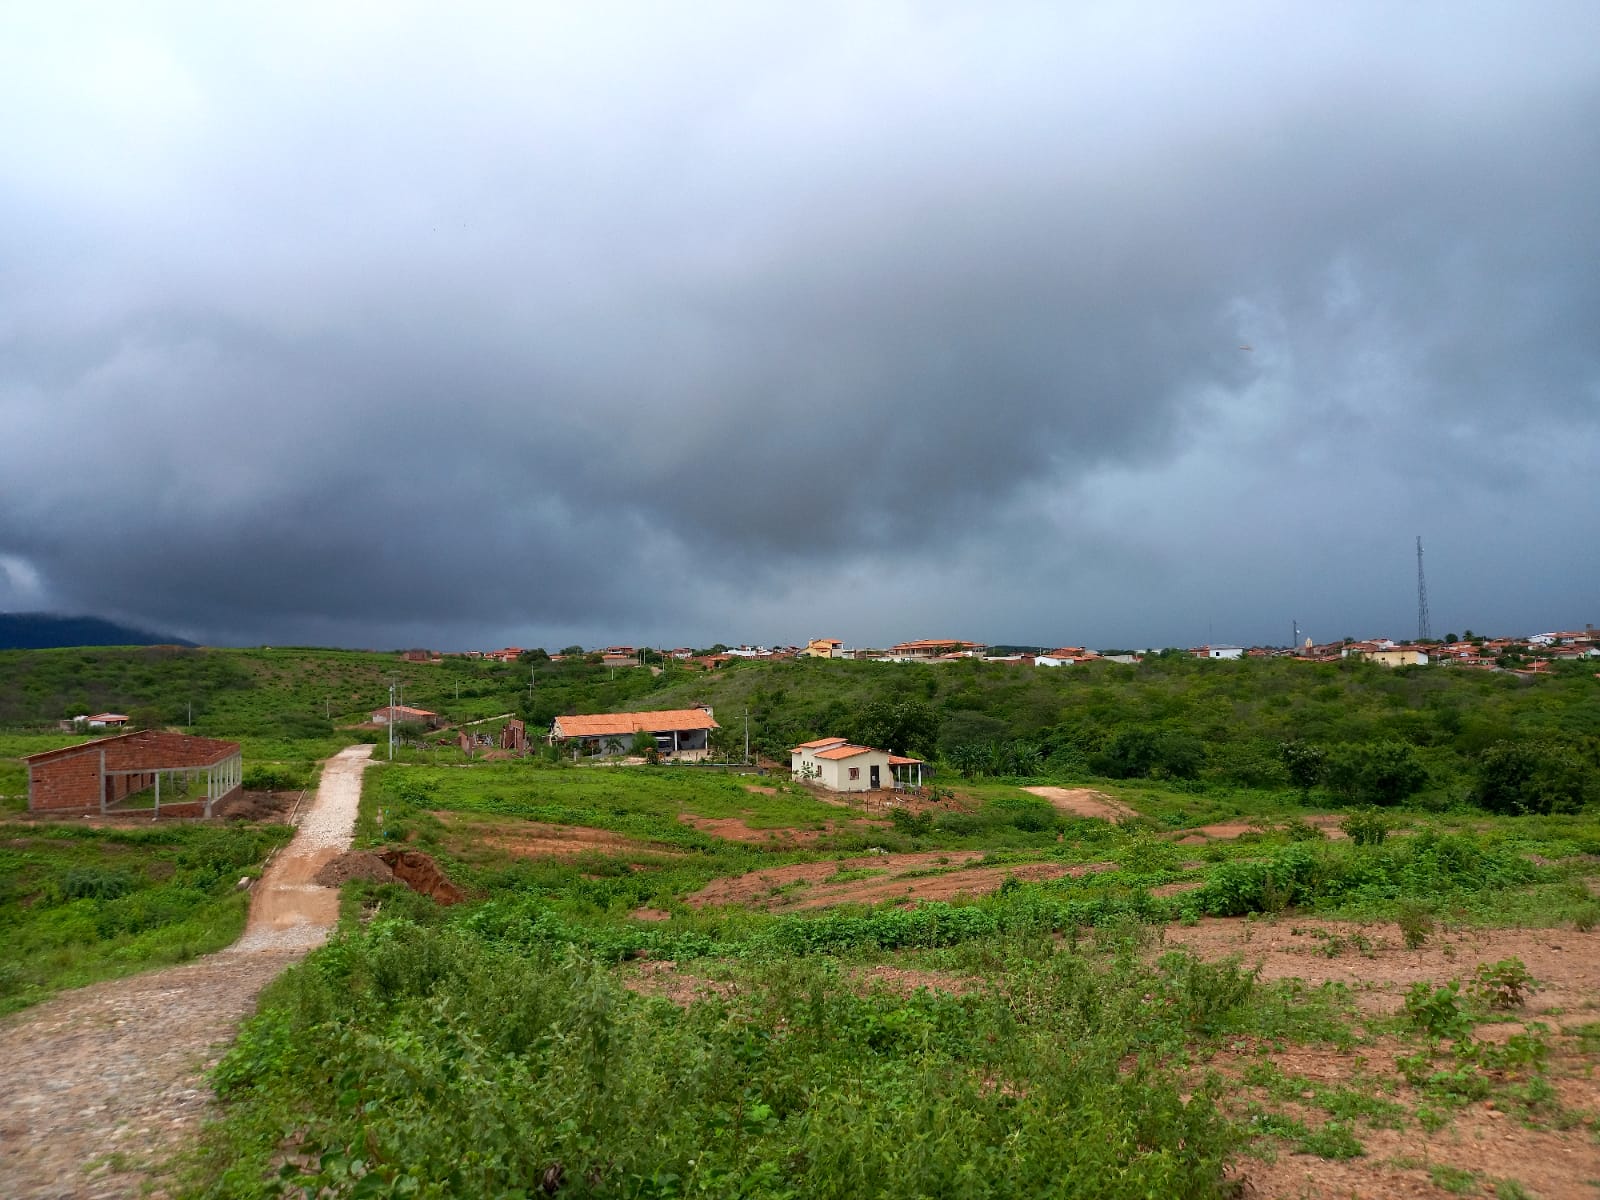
column 399, row 714
column 841, row 766
column 184, row 775
column 682, row 733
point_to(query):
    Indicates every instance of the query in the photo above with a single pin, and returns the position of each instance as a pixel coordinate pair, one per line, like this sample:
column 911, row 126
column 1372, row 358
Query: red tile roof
column 612, row 724
column 844, row 751
column 820, row 742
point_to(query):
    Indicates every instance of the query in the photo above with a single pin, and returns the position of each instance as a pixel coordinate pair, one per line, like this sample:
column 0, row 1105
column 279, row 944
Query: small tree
column 1305, row 763
column 644, row 745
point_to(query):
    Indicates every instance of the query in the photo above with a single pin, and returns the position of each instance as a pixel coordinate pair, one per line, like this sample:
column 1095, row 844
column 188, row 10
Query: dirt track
column 1084, row 802
column 106, row 1081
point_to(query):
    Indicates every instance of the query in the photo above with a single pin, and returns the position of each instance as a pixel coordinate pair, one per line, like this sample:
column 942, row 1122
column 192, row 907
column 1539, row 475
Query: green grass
column 79, row 905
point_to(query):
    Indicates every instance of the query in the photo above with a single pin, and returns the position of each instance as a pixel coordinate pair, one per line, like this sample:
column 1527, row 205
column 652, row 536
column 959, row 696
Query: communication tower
column 1424, row 630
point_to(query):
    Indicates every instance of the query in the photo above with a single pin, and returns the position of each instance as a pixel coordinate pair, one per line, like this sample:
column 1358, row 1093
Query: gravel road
column 104, row 1082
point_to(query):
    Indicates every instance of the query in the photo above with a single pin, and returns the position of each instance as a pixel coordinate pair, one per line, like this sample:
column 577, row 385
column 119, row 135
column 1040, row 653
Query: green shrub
column 1366, row 826
column 1415, row 922
column 1437, row 1011
column 1504, row 984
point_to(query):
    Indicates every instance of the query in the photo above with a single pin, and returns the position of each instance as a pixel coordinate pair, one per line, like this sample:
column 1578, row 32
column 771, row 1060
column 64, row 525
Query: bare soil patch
column 1478, row 1138
column 1177, row 889
column 1085, row 802
column 759, row 790
column 907, row 980
column 872, row 879
column 1566, row 963
column 535, row 839
column 650, row 914
column 1328, row 823
column 734, row 829
column 663, row 977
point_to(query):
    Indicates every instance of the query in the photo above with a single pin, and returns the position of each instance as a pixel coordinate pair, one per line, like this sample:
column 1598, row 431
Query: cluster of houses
column 1472, row 652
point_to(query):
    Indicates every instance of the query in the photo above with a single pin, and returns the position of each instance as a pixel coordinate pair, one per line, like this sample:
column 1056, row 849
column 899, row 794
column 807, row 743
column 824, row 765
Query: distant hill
column 44, row 631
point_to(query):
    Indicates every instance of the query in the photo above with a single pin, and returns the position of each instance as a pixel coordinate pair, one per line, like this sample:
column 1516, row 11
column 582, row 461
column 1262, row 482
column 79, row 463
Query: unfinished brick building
column 183, row 775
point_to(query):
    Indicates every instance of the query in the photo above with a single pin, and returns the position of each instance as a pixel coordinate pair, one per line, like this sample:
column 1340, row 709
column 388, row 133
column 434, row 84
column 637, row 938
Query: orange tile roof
column 833, row 741
column 898, row 760
column 845, row 751
column 610, row 724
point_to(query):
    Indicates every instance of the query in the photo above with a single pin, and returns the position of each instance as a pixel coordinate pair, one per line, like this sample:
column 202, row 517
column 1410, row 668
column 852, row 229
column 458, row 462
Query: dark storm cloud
column 554, row 325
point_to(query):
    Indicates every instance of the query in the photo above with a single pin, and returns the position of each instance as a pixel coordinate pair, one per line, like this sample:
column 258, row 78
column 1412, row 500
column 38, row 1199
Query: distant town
column 1530, row 654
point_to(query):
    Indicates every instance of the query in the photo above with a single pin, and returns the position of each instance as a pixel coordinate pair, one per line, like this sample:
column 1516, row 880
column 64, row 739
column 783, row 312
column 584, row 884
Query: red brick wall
column 70, row 782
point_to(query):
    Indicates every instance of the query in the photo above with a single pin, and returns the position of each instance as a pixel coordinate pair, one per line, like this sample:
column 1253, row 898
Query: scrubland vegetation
column 80, row 904
column 667, row 981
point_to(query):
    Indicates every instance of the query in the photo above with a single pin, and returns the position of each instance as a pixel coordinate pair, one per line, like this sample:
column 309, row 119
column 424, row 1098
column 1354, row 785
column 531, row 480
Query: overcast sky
column 406, row 324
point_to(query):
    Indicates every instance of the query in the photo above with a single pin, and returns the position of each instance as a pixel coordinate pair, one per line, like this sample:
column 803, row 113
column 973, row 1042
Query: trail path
column 104, row 1082
column 1082, row 802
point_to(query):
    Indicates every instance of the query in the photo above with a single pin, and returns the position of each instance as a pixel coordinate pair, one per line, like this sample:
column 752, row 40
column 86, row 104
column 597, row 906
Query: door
column 874, row 777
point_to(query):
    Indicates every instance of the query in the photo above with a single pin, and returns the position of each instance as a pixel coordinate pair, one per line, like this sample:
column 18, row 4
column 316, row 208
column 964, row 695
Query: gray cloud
column 613, row 325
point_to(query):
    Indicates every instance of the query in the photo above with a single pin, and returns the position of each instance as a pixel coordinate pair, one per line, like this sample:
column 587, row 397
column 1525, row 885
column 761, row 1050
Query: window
column 855, row 772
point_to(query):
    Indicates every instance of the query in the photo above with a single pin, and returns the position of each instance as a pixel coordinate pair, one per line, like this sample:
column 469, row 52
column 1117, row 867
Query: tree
column 1533, row 777
column 901, row 727
column 1305, row 763
column 537, row 655
column 644, row 745
column 572, row 652
column 969, row 759
column 1383, row 773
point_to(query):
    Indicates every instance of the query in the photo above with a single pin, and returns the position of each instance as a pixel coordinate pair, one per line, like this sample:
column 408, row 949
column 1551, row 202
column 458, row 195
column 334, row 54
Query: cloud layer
column 393, row 326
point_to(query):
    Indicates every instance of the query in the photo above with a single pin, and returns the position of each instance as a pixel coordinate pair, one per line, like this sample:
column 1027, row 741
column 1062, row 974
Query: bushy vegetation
column 421, row 1060
column 77, row 904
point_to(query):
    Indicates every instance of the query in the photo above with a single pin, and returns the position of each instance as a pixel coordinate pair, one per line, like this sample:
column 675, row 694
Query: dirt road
column 104, row 1082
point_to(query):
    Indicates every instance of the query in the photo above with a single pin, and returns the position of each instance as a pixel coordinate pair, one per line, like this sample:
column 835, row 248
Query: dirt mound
column 1085, row 802
column 650, row 914
column 354, row 864
column 256, row 806
column 421, row 874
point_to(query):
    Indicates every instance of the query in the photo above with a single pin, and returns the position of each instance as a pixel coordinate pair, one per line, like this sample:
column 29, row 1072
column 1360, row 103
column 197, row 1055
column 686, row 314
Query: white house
column 840, row 766
column 1227, row 652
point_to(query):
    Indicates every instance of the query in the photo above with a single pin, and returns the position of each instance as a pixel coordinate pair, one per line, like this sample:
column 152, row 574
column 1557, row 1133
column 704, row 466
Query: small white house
column 1227, row 652
column 840, row 766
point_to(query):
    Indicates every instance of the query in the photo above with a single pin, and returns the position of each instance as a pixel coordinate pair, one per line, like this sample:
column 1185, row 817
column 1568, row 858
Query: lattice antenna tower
column 1424, row 629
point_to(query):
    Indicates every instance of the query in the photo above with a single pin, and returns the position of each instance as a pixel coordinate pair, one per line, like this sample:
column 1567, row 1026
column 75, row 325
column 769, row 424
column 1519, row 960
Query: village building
column 178, row 774
column 681, row 733
column 935, row 649
column 1398, row 656
column 823, row 648
column 104, row 720
column 840, row 766
column 399, row 714
column 1226, row 653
